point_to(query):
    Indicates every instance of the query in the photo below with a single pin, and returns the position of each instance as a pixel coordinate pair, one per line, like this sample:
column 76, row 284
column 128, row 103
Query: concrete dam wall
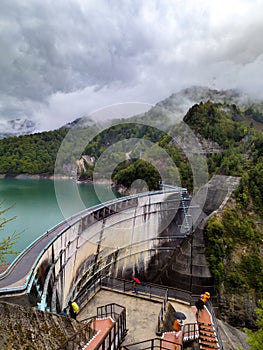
column 119, row 238
column 157, row 236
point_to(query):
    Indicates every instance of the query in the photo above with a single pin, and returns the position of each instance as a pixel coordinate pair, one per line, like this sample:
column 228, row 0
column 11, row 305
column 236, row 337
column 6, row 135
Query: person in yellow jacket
column 73, row 309
column 200, row 303
column 205, row 296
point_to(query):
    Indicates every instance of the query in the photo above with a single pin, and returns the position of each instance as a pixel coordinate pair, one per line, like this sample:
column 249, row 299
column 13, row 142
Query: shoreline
column 34, row 176
column 55, row 177
column 38, row 177
column 119, row 188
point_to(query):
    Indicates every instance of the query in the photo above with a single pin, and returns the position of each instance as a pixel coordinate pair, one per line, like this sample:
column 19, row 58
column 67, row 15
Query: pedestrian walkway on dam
column 142, row 313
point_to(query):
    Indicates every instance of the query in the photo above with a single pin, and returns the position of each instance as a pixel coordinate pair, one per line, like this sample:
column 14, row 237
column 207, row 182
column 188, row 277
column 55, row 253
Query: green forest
column 31, row 154
column 233, row 147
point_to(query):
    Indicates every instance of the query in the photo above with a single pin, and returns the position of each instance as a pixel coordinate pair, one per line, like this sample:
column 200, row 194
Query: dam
column 119, row 238
column 156, row 236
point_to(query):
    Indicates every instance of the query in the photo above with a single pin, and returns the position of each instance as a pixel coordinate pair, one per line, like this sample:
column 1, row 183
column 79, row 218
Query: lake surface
column 40, row 204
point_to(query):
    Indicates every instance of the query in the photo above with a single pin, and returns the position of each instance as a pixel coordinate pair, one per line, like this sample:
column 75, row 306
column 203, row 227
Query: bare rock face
column 239, row 309
column 27, row 328
column 231, row 337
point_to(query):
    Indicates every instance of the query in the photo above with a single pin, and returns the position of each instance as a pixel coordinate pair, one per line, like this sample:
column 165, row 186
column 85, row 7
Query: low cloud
column 62, row 60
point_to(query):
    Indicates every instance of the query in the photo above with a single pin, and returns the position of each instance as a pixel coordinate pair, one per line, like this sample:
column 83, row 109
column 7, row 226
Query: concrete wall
column 119, row 240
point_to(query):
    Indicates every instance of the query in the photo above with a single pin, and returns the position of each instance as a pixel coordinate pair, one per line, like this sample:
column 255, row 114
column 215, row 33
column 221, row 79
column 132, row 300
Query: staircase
column 207, row 337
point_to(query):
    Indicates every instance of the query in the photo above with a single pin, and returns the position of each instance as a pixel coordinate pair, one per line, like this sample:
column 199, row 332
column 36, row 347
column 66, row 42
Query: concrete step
column 207, row 333
column 205, row 345
column 206, row 326
column 207, row 339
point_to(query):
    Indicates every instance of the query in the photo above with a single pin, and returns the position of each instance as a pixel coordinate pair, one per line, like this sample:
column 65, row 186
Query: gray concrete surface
column 142, row 314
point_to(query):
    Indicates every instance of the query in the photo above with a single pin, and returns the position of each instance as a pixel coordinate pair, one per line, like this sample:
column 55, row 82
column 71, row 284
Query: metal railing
column 112, row 338
column 190, row 332
column 159, row 329
column 151, row 291
column 212, row 312
column 81, row 338
column 115, row 334
column 151, row 344
column 88, row 291
column 148, row 290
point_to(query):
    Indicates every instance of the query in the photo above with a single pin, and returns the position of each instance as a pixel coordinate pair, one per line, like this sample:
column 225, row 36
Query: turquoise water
column 38, row 205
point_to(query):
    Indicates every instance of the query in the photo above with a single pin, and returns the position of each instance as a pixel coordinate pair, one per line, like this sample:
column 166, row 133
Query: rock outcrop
column 27, row 328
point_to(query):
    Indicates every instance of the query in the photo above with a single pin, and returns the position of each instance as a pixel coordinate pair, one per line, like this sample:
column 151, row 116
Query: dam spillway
column 120, row 238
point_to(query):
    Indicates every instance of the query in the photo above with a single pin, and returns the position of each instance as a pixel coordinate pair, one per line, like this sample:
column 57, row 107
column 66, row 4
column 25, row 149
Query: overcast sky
column 63, row 59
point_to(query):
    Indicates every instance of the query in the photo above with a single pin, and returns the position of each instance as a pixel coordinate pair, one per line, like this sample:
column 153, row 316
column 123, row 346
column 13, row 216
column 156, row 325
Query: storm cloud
column 64, row 59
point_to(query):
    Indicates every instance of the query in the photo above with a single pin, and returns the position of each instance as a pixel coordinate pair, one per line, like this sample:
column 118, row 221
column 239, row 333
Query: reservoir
column 40, row 204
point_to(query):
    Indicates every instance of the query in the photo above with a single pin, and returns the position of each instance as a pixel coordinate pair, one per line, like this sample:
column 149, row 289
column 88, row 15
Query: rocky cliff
column 27, row 328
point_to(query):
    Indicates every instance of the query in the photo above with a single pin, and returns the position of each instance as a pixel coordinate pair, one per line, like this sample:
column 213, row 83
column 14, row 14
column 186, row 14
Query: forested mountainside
column 230, row 136
column 234, row 236
column 30, row 154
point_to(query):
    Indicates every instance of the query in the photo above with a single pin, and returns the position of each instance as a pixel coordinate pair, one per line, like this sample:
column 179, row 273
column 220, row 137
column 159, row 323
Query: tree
column 7, row 243
column 255, row 339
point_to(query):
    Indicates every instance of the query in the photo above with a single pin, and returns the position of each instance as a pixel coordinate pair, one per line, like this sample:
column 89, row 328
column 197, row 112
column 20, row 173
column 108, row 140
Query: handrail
column 146, row 289
column 112, row 338
column 68, row 222
column 152, row 344
column 190, row 332
column 81, row 337
column 117, row 332
column 159, row 329
column 212, row 312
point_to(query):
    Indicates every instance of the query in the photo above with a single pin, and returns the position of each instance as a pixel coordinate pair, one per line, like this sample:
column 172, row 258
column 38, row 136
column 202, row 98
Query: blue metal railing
column 69, row 222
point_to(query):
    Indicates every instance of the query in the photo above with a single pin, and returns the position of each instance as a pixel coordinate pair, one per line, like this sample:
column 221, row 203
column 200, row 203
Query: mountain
column 175, row 107
column 224, row 122
column 16, row 127
column 177, row 104
column 180, row 102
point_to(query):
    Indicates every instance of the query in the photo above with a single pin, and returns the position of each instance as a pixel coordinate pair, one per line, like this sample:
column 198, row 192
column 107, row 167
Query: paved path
column 141, row 313
column 16, row 275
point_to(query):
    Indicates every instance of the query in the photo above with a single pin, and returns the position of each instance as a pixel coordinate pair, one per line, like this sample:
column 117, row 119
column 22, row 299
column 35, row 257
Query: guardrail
column 154, row 343
column 149, row 290
column 112, row 338
column 60, row 228
column 80, row 338
column 190, row 332
column 159, row 329
column 116, row 334
column 212, row 312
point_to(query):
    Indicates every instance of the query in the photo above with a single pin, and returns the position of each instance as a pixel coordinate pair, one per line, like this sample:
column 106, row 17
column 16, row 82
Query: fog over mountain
column 62, row 60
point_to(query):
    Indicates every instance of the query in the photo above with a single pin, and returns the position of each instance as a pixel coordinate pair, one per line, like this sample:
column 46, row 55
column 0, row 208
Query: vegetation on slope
column 255, row 339
column 234, row 236
column 233, row 146
column 7, row 243
column 134, row 140
column 32, row 154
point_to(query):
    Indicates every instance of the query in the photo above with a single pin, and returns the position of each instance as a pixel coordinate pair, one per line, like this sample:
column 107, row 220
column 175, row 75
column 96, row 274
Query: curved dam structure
column 157, row 236
column 118, row 238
